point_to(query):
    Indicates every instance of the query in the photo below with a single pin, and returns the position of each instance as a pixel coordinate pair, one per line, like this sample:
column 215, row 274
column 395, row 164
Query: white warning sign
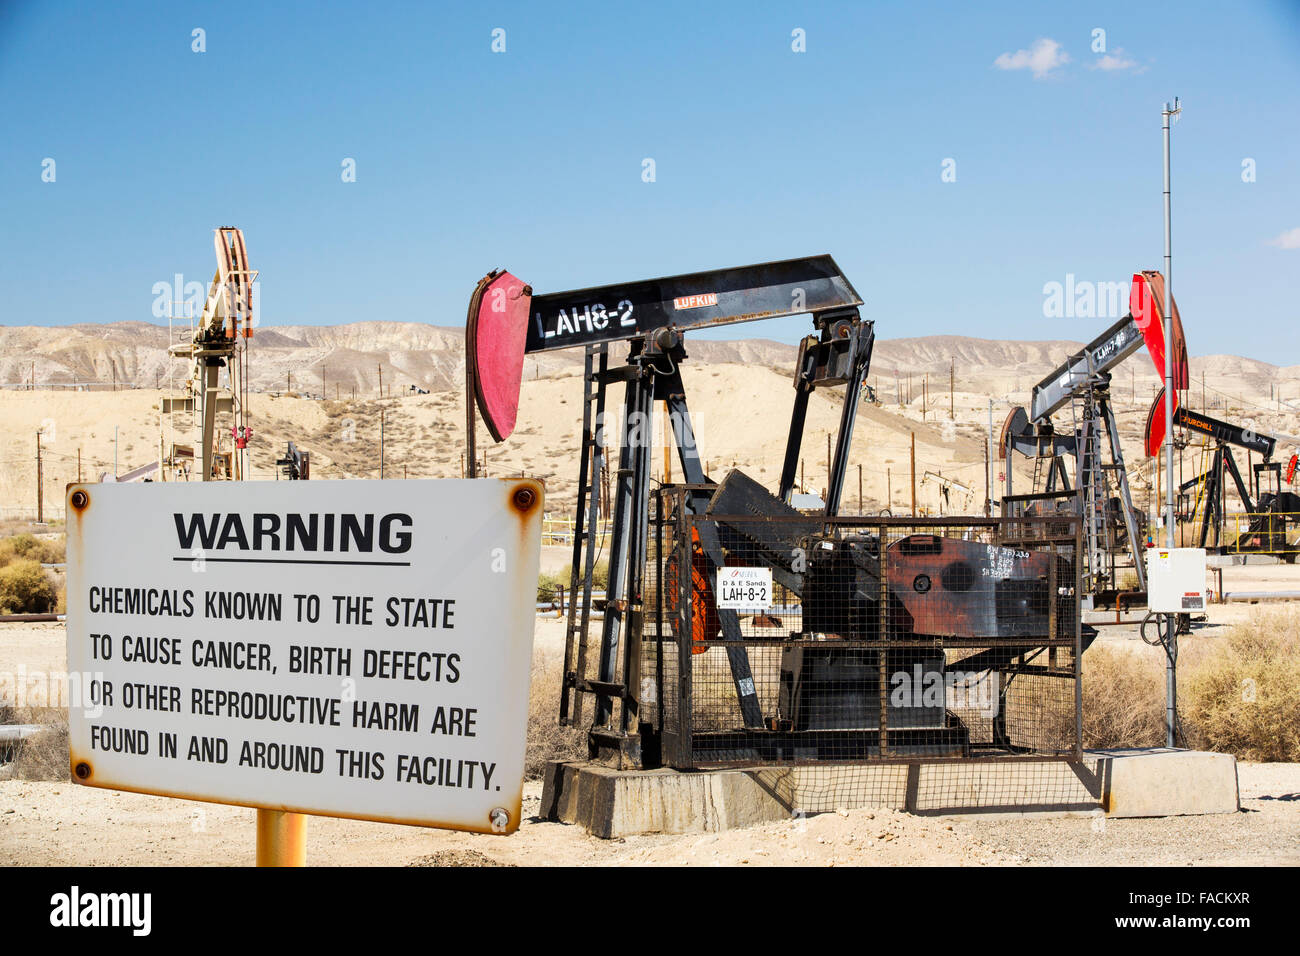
column 347, row 648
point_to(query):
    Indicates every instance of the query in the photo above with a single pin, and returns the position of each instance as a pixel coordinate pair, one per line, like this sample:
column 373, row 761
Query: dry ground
column 48, row 823
column 58, row 823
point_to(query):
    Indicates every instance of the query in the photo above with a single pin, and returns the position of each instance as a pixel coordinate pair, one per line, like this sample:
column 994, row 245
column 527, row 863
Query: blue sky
column 532, row 159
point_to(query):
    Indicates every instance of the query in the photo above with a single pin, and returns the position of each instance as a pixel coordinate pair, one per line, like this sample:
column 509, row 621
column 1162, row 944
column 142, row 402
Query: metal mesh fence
column 782, row 638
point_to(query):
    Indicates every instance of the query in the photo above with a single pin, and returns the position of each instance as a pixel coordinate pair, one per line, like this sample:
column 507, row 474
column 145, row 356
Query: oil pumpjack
column 1101, row 489
column 832, row 703
column 218, row 340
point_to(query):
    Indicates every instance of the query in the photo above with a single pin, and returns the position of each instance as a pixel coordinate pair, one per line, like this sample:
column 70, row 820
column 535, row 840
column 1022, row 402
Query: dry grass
column 1123, row 699
column 1241, row 697
column 547, row 740
column 1236, row 693
column 45, row 755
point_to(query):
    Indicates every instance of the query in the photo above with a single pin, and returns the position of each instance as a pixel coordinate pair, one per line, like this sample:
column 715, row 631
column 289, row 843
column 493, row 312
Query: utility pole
column 889, row 490
column 381, row 444
column 380, row 366
column 288, row 382
column 913, row 474
column 78, row 464
column 925, row 395
column 40, row 497
column 1171, row 633
column 115, row 453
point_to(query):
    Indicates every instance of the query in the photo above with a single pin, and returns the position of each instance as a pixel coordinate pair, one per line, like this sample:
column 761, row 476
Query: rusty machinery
column 218, row 340
column 1271, row 509
column 831, row 703
column 1112, row 525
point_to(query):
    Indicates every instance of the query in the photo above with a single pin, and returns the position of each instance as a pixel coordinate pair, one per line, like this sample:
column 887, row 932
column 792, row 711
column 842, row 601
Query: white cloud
column 1044, row 56
column 1113, row 61
column 1288, row 240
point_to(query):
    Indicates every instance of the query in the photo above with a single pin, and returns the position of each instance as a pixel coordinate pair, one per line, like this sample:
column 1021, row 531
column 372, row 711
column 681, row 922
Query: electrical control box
column 1175, row 580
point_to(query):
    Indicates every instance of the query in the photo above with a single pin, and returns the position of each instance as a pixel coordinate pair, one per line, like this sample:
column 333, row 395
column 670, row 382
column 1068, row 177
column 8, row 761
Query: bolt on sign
column 345, row 648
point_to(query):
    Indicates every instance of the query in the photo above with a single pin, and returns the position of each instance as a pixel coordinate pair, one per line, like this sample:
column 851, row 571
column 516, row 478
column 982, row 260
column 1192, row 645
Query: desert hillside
column 319, row 387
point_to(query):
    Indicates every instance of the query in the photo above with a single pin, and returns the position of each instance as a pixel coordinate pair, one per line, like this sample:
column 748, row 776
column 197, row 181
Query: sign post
column 342, row 648
column 281, row 838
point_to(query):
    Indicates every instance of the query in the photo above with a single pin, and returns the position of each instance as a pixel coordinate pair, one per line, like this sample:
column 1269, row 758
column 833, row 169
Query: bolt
column 80, row 499
column 83, row 770
column 500, row 819
column 524, row 498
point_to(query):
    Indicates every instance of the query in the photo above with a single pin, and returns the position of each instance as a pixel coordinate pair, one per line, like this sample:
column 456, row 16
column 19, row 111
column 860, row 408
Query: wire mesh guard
column 795, row 639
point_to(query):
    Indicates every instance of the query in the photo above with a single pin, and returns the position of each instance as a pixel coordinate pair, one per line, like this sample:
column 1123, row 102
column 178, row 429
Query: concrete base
column 1167, row 783
column 1123, row 783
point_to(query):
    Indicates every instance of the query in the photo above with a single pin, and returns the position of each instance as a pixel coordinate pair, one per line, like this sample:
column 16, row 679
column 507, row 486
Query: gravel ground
column 59, row 823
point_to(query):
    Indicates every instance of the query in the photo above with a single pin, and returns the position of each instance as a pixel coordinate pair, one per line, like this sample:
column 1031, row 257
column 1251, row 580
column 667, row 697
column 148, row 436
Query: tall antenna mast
column 1169, row 116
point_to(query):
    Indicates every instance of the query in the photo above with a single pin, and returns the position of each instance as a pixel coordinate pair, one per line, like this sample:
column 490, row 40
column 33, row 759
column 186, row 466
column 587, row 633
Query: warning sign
column 347, row 648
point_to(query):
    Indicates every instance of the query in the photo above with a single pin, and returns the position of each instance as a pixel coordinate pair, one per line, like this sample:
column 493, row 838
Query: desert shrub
column 1240, row 696
column 1123, row 699
column 30, row 547
column 25, row 588
column 549, row 584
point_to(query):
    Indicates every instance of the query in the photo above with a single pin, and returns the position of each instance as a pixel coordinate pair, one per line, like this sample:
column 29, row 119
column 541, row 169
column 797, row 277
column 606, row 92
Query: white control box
column 1175, row 580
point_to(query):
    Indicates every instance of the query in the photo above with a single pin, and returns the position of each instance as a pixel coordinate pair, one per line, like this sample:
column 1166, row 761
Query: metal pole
column 1171, row 674
column 913, row 474
column 281, row 838
column 988, row 470
column 40, row 500
column 381, row 444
